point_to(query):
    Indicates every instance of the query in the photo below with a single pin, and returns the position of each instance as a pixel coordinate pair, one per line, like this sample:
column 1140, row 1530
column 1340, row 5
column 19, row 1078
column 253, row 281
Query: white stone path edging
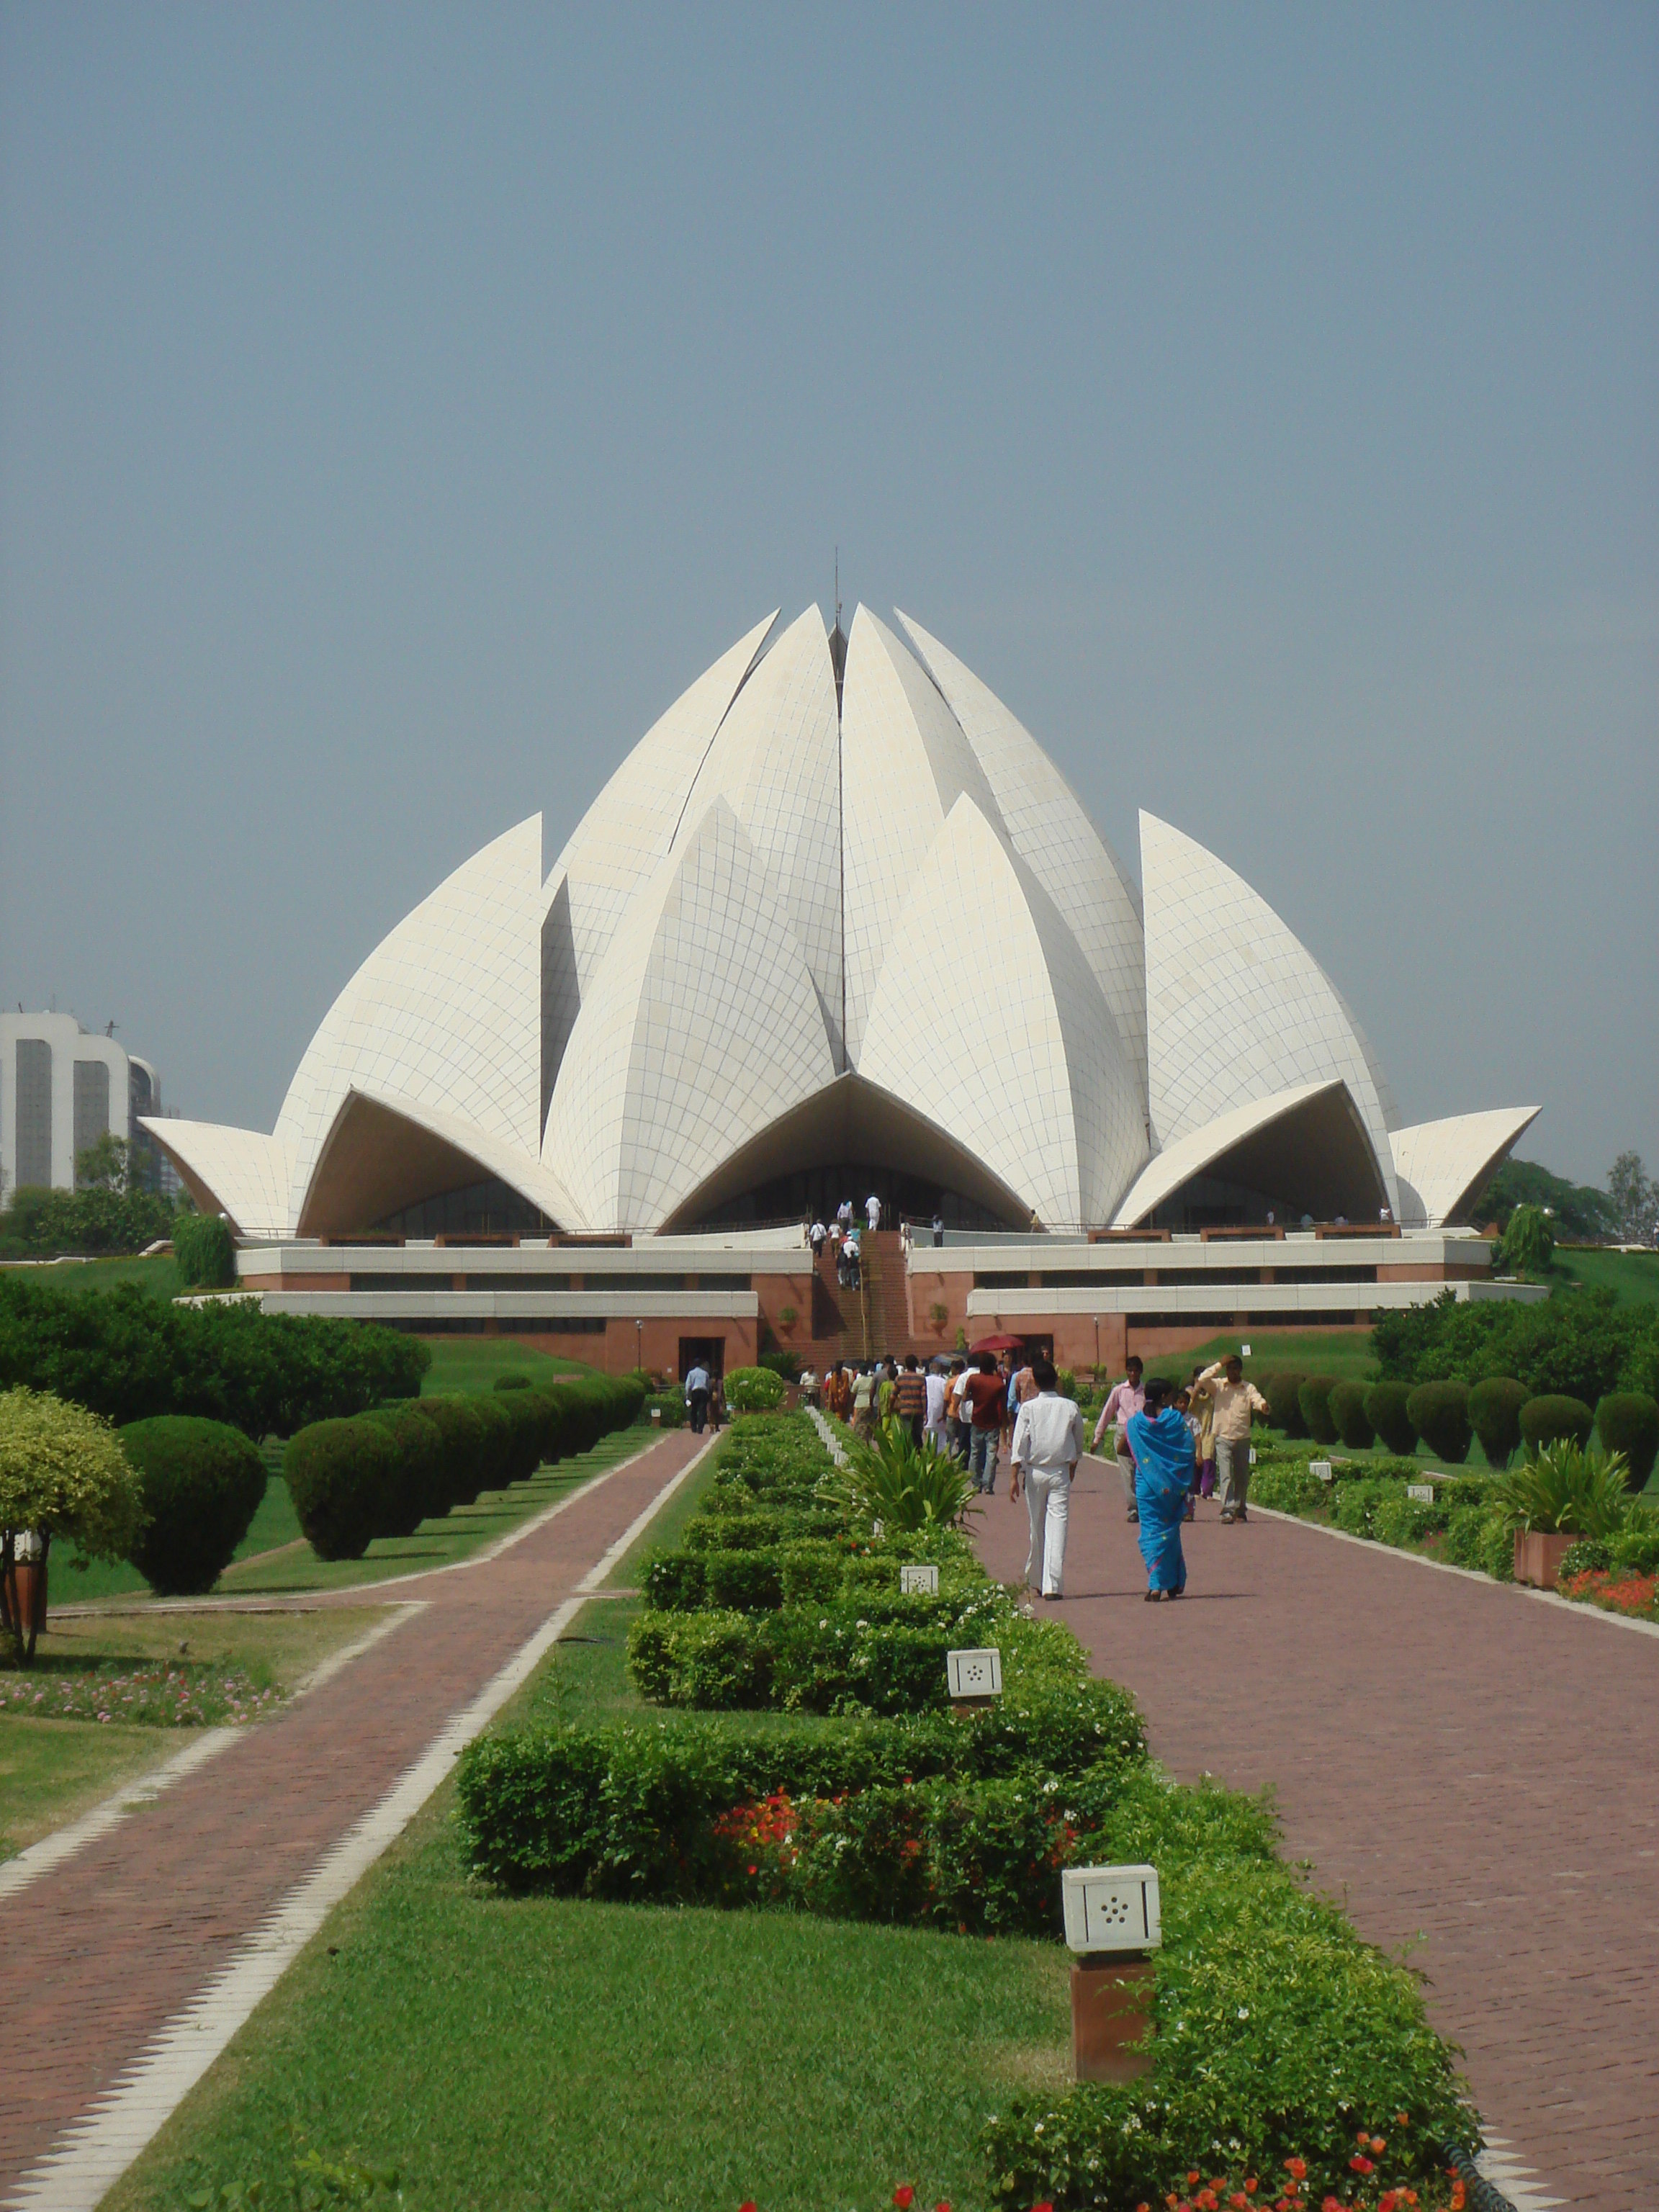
column 144, row 1789
column 93, row 2155
column 832, row 1442
column 1499, row 2165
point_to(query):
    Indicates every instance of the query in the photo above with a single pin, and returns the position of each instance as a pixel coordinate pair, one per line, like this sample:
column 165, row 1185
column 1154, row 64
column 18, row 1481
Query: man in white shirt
column 933, row 1430
column 1047, row 1445
column 872, row 1212
column 844, row 1217
column 696, row 1396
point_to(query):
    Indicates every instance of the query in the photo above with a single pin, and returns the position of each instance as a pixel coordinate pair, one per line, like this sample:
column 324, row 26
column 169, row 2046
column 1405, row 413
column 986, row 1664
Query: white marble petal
column 247, row 1175
column 703, row 1026
column 1443, row 1165
column 1049, row 828
column 1237, row 1008
column 988, row 1020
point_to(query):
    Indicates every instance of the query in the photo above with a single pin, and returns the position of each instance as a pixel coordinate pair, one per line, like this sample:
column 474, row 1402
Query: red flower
column 904, row 2196
column 748, row 2205
column 1361, row 2164
column 1299, row 2166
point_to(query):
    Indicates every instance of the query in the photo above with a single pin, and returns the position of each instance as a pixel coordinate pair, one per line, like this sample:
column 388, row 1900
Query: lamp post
column 639, row 1347
column 1097, row 1347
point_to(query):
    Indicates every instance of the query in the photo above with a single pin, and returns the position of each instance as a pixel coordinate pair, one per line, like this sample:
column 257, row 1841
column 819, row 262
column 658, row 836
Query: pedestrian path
column 1458, row 1762
column 135, row 1951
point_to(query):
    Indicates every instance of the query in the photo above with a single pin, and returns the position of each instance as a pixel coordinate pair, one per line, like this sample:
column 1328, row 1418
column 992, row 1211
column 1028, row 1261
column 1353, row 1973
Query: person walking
column 815, row 1237
column 864, row 1403
column 696, row 1396
column 934, row 1428
column 872, row 1212
column 838, row 1393
column 987, row 1397
column 1162, row 1446
column 1233, row 1400
column 844, row 1218
column 886, row 1388
column 1123, row 1401
column 1195, row 1420
column 938, row 1227
column 854, row 1258
column 1201, row 1403
column 911, row 1399
column 959, row 1410
column 1047, row 1447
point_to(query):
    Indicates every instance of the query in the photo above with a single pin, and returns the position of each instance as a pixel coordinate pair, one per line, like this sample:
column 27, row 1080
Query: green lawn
column 159, row 1276
column 1347, row 1354
column 552, row 2053
column 1632, row 1277
column 472, row 1362
column 273, row 1524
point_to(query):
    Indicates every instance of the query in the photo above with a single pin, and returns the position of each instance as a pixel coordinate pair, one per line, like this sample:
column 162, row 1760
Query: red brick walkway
column 114, row 1943
column 1454, row 1759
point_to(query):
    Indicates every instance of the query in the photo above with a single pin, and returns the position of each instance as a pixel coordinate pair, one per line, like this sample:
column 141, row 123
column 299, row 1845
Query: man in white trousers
column 1047, row 1445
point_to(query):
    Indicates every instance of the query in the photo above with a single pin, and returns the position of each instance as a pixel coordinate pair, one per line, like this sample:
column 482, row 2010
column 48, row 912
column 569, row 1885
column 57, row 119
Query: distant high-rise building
column 61, row 1089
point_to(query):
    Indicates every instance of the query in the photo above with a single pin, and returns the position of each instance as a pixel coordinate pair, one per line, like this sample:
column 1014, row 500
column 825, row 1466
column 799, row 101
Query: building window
column 91, row 1106
column 34, row 1113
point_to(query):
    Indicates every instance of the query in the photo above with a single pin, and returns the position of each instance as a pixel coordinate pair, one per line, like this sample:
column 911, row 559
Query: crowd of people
column 1172, row 1443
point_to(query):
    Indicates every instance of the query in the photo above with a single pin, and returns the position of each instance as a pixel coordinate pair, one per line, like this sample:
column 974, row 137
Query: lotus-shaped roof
column 837, row 905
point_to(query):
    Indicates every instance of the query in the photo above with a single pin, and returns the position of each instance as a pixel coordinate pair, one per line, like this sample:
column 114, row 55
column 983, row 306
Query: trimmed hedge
column 1495, row 1416
column 754, row 1389
column 1386, row 1410
column 384, row 1472
column 1353, row 1423
column 203, row 1482
column 1314, row 1404
column 1283, row 1394
column 1439, row 1412
column 1558, row 1419
column 1628, row 1421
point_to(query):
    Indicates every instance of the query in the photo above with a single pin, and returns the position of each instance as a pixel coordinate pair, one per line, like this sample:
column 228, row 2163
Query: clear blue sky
column 399, row 406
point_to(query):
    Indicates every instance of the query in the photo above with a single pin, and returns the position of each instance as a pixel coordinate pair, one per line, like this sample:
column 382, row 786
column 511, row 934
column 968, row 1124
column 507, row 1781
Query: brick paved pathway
column 114, row 1943
column 1453, row 1758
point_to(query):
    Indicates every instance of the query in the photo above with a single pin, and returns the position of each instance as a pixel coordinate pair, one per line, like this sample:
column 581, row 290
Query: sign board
column 975, row 1673
column 919, row 1581
column 1421, row 1493
column 1252, row 1455
column 1111, row 1908
column 1321, row 1469
column 1244, row 1351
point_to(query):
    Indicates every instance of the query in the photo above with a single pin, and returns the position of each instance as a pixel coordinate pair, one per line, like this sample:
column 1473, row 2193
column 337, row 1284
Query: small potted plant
column 1558, row 1494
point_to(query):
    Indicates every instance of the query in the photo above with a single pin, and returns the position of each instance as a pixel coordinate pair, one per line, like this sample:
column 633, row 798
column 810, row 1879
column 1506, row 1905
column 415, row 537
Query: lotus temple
column 837, row 925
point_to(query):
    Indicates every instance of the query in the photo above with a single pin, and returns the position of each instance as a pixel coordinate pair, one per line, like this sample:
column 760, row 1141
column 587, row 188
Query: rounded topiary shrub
column 1387, row 1408
column 1495, row 1416
column 416, row 1488
column 1628, row 1421
column 754, row 1389
column 1353, row 1423
column 1314, row 1402
column 513, row 1383
column 528, row 1428
column 495, row 1451
column 1439, row 1412
column 1283, row 1394
column 206, row 1253
column 338, row 1474
column 462, row 1435
column 1553, row 1420
column 201, row 1482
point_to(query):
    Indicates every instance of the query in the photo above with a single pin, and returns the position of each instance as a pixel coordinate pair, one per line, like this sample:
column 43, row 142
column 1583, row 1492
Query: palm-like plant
column 900, row 1484
column 1564, row 1490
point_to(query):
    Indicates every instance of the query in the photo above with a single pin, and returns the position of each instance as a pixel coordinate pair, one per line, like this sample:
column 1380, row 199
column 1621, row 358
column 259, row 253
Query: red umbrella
column 998, row 1343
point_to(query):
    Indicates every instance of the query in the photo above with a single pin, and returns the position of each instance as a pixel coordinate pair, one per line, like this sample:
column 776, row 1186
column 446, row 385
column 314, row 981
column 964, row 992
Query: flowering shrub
column 162, row 1696
column 1635, row 1595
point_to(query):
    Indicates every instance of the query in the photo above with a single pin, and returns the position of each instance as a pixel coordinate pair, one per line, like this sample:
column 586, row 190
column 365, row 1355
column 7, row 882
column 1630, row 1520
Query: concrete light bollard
column 974, row 1679
column 1113, row 1922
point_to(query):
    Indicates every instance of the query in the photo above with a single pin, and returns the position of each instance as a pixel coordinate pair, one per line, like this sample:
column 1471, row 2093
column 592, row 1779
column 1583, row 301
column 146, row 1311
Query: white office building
column 61, row 1089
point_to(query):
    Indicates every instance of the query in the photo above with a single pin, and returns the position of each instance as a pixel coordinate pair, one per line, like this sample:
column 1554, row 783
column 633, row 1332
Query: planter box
column 1538, row 1558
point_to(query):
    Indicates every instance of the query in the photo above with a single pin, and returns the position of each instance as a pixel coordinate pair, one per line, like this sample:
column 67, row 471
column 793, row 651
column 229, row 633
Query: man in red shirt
column 988, row 1396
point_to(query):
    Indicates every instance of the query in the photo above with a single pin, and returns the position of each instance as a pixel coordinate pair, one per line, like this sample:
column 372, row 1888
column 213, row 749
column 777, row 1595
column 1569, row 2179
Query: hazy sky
column 399, row 407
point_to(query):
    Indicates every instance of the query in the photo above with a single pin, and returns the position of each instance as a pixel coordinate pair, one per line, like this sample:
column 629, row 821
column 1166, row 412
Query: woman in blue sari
column 1162, row 1447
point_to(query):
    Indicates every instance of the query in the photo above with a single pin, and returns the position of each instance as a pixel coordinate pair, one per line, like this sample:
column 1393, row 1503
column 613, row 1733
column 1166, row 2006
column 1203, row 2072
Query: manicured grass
column 553, row 2052
column 1632, row 1277
column 472, row 1362
column 159, row 1276
column 51, row 1770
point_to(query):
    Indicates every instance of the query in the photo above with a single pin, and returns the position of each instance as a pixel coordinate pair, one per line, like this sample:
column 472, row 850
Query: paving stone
column 1459, row 1762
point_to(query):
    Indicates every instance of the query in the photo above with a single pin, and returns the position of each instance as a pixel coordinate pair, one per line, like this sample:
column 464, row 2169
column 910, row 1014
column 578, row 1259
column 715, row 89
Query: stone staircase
column 862, row 1324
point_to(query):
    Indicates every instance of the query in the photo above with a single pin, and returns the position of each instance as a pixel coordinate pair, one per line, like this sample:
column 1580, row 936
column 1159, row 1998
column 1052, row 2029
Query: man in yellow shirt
column 1234, row 1400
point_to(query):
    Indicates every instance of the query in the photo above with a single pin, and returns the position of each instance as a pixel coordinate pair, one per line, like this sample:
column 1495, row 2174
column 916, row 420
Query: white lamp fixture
column 975, row 1673
column 1320, row 1469
column 1110, row 1910
column 919, row 1581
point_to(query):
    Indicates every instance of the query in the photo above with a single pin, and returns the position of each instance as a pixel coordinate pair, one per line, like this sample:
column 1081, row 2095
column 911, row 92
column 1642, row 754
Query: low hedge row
column 895, row 1809
column 382, row 1474
column 1447, row 1416
column 1368, row 1498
